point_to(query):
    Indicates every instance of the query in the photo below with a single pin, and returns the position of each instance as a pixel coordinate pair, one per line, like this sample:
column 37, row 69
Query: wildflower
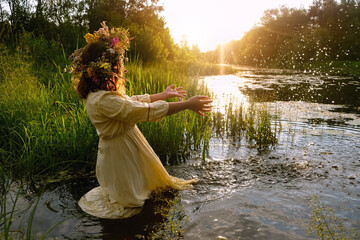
column 89, row 38
column 112, row 51
column 105, row 66
column 90, row 71
column 114, row 42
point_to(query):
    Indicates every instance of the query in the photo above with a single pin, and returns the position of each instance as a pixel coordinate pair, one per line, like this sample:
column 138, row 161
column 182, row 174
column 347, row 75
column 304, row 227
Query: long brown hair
column 90, row 53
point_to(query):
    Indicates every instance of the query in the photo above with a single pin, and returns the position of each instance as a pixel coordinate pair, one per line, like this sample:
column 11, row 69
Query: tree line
column 327, row 31
column 67, row 21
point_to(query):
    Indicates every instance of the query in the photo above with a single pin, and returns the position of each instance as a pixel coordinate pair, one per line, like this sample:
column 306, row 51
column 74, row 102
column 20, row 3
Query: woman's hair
column 86, row 84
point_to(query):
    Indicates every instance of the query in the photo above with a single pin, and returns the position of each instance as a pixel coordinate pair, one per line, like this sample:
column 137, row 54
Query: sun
column 207, row 23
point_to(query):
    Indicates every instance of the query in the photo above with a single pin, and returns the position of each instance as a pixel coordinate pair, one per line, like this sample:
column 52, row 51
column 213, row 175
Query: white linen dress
column 127, row 168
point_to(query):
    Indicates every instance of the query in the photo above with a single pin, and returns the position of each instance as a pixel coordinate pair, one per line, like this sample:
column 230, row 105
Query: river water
column 244, row 193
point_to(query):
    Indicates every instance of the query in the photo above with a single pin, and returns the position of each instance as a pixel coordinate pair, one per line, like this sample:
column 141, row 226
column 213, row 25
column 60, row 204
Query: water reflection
column 270, row 86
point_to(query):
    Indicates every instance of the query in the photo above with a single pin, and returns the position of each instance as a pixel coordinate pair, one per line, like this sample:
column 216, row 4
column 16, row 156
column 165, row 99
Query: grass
column 41, row 125
column 169, row 208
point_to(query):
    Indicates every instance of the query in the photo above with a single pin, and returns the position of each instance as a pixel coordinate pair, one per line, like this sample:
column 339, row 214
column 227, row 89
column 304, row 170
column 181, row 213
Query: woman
column 127, row 168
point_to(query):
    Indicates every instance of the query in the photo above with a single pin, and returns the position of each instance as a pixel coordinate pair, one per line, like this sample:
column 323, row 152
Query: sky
column 207, row 23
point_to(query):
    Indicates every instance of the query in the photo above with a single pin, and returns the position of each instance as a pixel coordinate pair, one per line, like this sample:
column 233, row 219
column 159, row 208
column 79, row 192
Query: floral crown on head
column 115, row 42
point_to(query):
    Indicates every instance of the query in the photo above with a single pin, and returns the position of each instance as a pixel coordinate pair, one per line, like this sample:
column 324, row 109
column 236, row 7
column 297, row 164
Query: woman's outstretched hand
column 199, row 104
column 171, row 91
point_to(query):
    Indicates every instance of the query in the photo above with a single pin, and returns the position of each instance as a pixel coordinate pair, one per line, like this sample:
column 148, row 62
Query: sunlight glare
column 207, row 23
column 225, row 89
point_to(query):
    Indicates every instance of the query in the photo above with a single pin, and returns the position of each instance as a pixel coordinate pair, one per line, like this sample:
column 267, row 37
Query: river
column 244, row 193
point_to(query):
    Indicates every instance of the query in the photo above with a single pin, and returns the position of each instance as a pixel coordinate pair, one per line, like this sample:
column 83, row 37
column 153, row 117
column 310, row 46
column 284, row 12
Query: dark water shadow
column 61, row 199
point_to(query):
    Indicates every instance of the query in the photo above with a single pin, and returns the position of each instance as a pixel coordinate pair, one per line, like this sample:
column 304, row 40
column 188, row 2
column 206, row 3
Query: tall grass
column 42, row 125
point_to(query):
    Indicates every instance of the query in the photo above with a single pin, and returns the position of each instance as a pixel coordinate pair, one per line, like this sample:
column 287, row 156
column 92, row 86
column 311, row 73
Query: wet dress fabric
column 127, row 168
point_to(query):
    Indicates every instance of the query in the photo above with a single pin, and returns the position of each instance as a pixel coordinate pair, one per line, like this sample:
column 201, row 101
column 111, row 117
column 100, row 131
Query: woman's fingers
column 200, row 113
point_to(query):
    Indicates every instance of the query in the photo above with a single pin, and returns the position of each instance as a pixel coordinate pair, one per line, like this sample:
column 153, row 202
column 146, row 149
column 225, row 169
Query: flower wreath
column 116, row 42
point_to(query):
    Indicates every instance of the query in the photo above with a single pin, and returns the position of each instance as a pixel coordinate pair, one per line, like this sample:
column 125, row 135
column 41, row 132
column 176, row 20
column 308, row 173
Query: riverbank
column 338, row 68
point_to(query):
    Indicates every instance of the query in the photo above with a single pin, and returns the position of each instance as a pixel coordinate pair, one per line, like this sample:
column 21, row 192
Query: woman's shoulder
column 101, row 93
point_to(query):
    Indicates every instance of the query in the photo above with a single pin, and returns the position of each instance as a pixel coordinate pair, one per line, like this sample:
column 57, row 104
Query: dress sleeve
column 141, row 98
column 114, row 106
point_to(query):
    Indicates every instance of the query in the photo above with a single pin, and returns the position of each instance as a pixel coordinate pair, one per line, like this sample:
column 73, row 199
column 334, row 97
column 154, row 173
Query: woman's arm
column 198, row 104
column 169, row 93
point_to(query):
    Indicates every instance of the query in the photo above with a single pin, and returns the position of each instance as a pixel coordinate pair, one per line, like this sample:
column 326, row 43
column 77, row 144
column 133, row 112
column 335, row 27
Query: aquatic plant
column 253, row 122
column 259, row 128
column 169, row 208
column 325, row 223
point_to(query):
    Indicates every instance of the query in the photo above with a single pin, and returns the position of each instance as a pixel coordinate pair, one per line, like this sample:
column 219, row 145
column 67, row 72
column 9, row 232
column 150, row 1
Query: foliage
column 325, row 223
column 288, row 37
column 66, row 22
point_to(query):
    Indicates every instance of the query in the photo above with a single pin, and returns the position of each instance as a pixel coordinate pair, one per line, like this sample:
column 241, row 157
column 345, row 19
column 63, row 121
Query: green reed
column 259, row 128
column 253, row 123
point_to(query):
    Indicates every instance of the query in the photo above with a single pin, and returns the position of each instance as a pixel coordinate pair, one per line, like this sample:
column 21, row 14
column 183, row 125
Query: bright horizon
column 208, row 23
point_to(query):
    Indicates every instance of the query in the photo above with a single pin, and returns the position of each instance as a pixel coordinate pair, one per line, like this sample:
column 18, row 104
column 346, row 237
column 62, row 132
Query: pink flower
column 114, row 41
